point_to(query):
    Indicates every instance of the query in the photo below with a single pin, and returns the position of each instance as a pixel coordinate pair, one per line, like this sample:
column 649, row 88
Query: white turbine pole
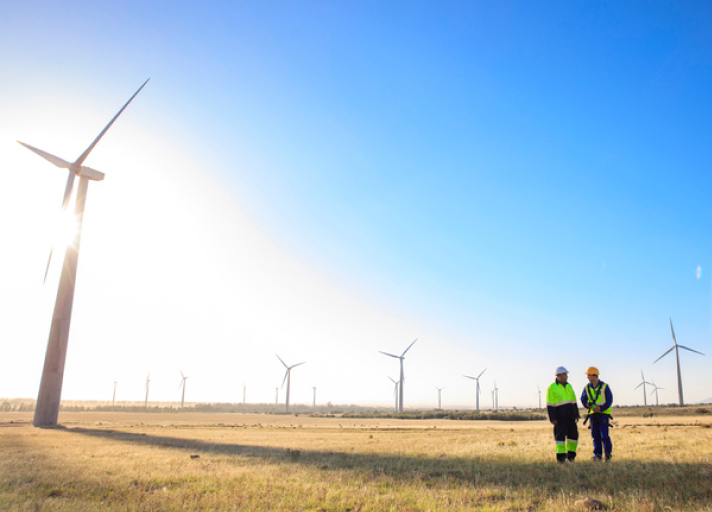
column 244, row 392
column 113, row 400
column 288, row 379
column 538, row 390
column 655, row 390
column 148, row 381
column 184, row 378
column 496, row 396
column 50, row 392
column 439, row 396
column 395, row 391
column 477, row 388
column 677, row 357
column 276, row 396
column 314, row 397
column 402, row 376
column 643, row 383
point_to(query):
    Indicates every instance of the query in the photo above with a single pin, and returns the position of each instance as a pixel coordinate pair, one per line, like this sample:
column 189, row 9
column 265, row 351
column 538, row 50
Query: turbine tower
column 395, row 391
column 676, row 347
column 287, row 379
column 402, row 378
column 439, row 396
column 655, row 390
column 496, row 396
column 148, row 381
column 244, row 392
column 643, row 383
column 50, row 392
column 314, row 397
column 113, row 400
column 477, row 387
column 538, row 390
column 276, row 396
column 182, row 384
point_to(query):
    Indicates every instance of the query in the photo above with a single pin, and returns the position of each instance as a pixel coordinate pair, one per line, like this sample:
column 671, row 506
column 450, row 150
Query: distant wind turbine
column 113, row 400
column 148, row 381
column 477, row 387
column 287, row 379
column 439, row 396
column 182, row 385
column 643, row 383
column 538, row 390
column 496, row 397
column 676, row 347
column 50, row 393
column 276, row 396
column 395, row 391
column 244, row 392
column 402, row 377
column 314, row 397
column 655, row 390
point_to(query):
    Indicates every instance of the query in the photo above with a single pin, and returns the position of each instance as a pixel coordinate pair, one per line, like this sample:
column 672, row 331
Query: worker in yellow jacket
column 563, row 414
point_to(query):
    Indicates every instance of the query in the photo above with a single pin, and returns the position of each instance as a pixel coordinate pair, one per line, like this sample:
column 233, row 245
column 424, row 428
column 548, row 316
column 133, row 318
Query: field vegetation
column 190, row 461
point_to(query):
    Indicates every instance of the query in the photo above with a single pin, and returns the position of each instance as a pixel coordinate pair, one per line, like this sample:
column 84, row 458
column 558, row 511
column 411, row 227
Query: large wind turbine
column 677, row 357
column 477, row 387
column 395, row 391
column 287, row 379
column 148, row 381
column 645, row 399
column 402, row 377
column 50, row 393
column 655, row 390
column 182, row 384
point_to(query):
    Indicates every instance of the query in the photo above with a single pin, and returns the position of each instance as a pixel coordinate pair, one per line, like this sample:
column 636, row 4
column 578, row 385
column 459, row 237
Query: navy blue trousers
column 601, row 439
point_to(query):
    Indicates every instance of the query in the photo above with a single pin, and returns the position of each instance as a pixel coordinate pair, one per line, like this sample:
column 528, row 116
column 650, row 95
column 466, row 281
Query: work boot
column 596, row 458
column 571, row 456
column 560, row 458
column 608, row 457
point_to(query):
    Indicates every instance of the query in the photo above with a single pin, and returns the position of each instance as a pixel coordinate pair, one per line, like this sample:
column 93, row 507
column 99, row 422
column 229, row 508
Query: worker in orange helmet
column 597, row 397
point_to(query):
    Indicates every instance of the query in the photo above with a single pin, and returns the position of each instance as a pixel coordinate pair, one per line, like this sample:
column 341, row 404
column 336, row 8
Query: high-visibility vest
column 558, row 395
column 594, row 400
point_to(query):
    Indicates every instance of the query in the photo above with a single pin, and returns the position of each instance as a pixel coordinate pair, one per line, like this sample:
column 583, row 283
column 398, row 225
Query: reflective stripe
column 562, row 403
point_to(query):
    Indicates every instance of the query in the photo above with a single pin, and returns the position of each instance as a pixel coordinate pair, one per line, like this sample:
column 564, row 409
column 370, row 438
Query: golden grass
column 115, row 461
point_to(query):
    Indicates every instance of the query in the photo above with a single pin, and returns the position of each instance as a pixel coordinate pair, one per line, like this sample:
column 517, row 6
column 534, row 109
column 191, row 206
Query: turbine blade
column 636, row 387
column 280, row 360
column 387, row 354
column 84, row 155
column 695, row 351
column 483, row 371
column 406, row 350
column 285, row 377
column 295, row 365
column 49, row 260
column 468, row 377
column 673, row 332
column 51, row 158
column 666, row 353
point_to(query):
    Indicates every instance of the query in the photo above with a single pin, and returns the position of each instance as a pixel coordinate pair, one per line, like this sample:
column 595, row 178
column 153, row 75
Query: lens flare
column 699, row 271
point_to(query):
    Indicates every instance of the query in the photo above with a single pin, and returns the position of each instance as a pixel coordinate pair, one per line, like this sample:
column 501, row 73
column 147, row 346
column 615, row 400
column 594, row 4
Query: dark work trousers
column 566, row 437
column 601, row 439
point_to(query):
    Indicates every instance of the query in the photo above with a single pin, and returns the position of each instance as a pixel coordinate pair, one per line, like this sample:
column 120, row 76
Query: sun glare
column 65, row 230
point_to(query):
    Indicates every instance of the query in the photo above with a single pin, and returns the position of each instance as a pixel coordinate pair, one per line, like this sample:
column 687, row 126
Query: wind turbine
column 182, row 384
column 113, row 400
column 50, row 393
column 493, row 400
column 287, row 379
column 244, row 392
column 148, row 381
column 402, row 378
column 645, row 400
column 538, row 390
column 496, row 396
column 395, row 391
column 655, row 390
column 314, row 397
column 477, row 387
column 276, row 396
column 439, row 396
column 677, row 357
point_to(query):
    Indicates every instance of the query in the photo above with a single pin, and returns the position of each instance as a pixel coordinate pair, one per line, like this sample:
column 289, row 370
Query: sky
column 517, row 186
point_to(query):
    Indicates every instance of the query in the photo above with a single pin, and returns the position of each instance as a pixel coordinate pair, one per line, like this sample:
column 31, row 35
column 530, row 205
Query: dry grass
column 254, row 462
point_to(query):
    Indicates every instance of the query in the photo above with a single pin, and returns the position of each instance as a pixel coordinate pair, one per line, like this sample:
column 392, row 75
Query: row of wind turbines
column 50, row 392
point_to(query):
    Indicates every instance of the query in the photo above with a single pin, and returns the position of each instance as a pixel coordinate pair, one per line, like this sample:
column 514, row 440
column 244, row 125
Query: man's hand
column 554, row 422
column 597, row 409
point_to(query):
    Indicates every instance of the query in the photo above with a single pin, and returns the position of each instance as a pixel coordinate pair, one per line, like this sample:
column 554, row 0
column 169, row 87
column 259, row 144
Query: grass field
column 142, row 462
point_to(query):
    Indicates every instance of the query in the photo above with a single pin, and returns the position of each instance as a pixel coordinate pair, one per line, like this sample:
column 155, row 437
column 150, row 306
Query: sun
column 66, row 230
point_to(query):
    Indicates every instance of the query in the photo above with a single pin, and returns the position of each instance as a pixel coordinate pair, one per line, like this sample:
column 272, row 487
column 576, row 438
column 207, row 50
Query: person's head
column 592, row 374
column 562, row 374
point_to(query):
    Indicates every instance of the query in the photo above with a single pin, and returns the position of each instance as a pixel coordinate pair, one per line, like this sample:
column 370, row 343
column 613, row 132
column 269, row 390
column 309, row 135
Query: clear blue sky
column 519, row 186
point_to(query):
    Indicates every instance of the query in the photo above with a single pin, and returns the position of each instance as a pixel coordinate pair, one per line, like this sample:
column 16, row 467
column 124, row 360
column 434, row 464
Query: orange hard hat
column 592, row 370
